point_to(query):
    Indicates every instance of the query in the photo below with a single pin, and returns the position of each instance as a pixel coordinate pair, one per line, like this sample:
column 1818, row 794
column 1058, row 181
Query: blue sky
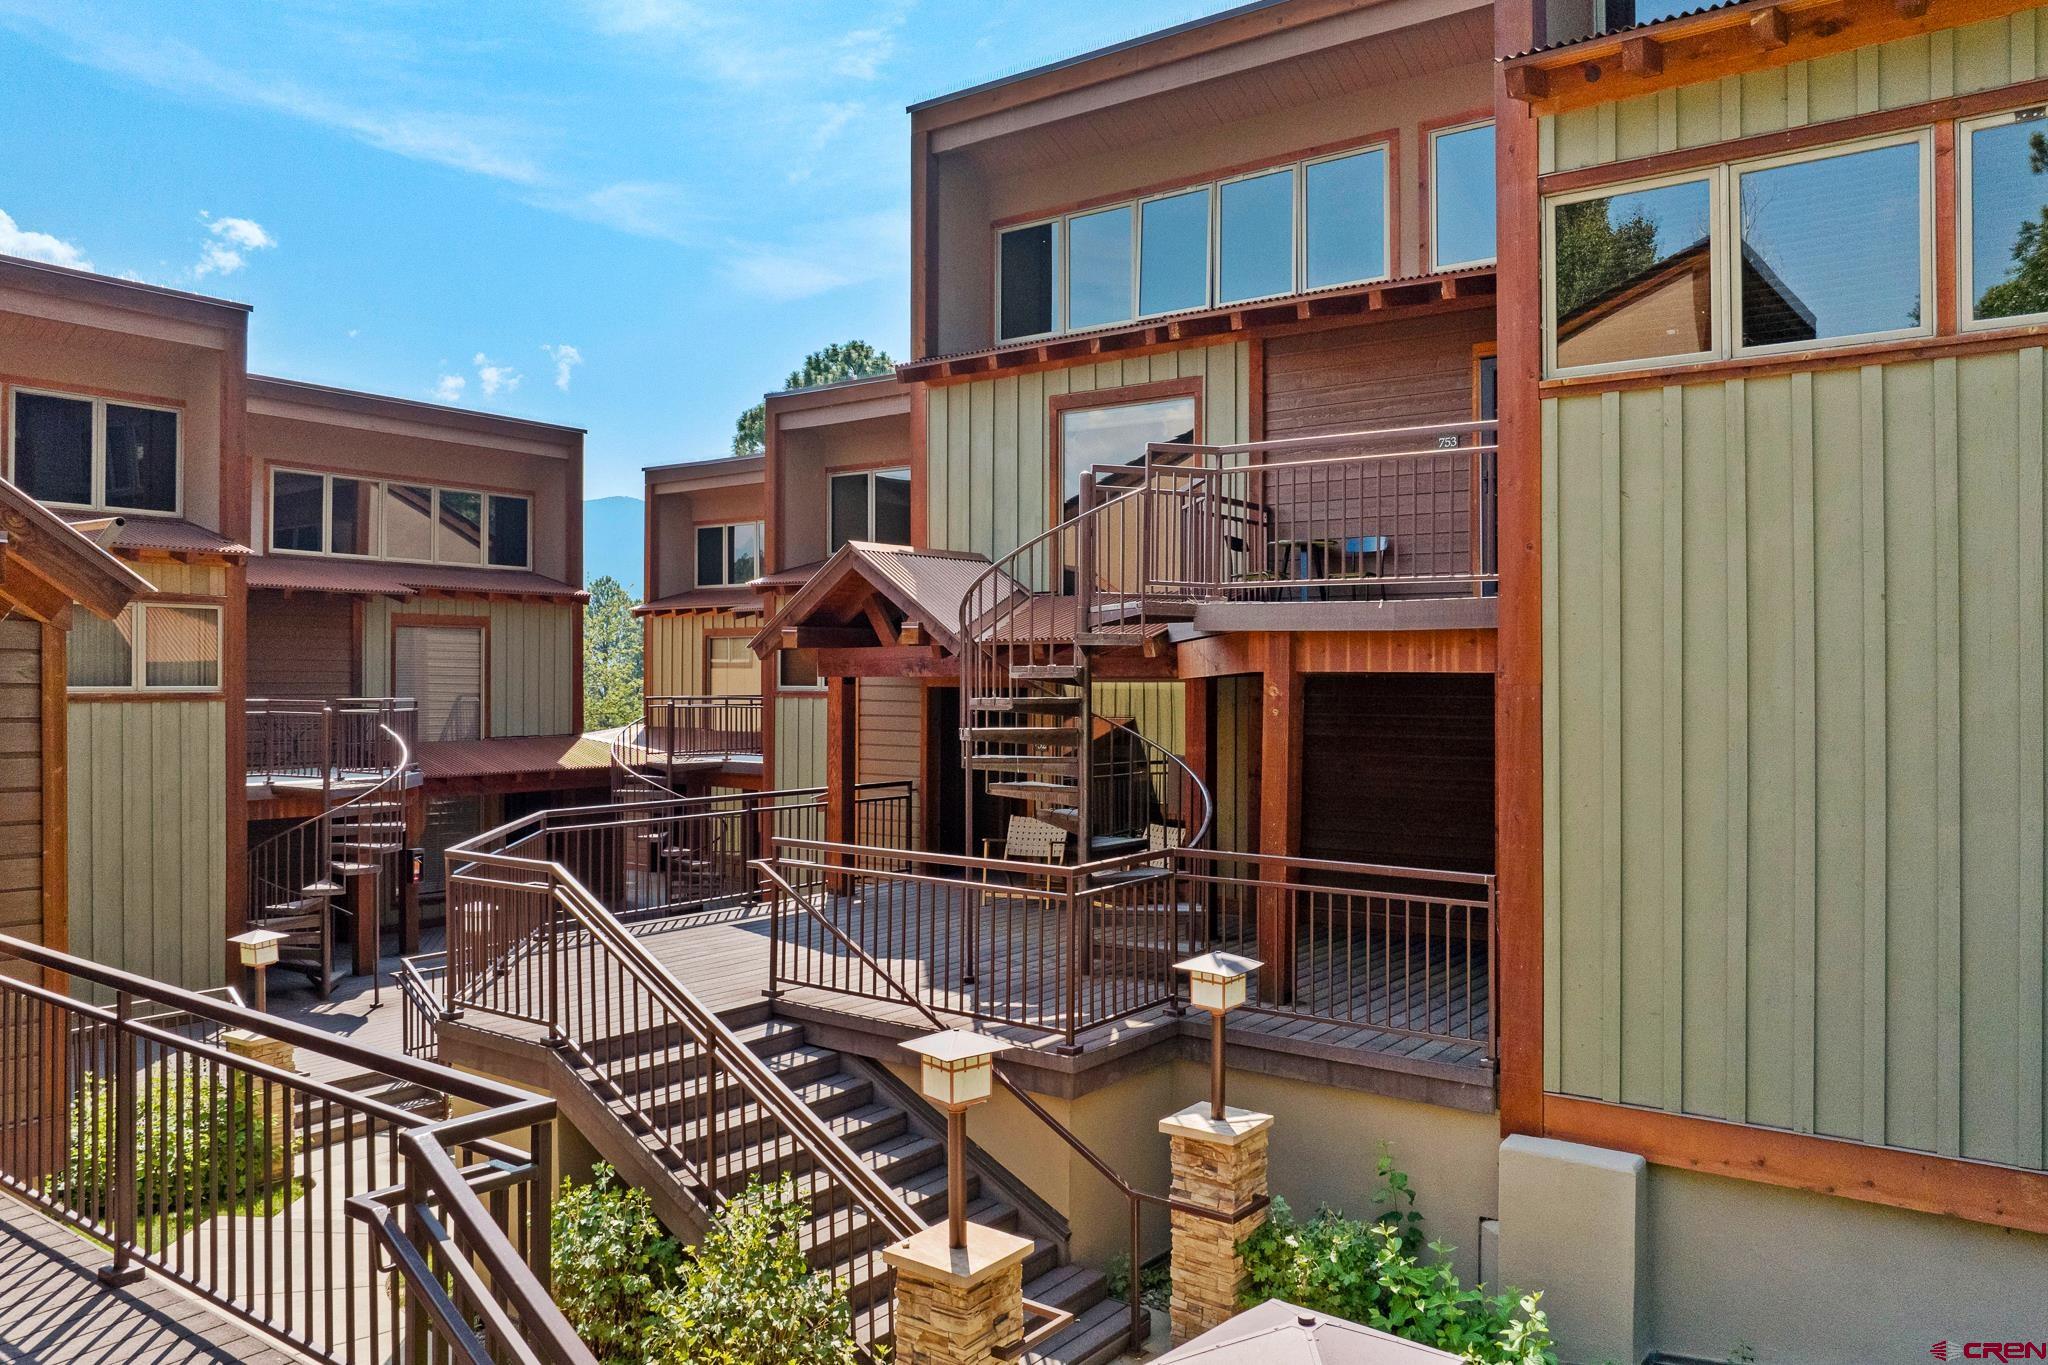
column 633, row 216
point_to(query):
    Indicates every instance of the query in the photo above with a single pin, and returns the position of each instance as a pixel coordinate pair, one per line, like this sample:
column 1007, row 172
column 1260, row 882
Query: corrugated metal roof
column 703, row 599
column 381, row 578
column 1562, row 43
column 511, row 755
column 153, row 533
column 927, row 586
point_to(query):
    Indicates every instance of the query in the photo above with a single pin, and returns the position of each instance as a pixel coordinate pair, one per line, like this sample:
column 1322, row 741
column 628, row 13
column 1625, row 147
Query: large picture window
column 150, row 647
column 1633, row 275
column 338, row 514
column 728, row 556
column 1116, row 435
column 1461, row 196
column 871, row 505
column 2004, row 230
column 1306, row 224
column 94, row 452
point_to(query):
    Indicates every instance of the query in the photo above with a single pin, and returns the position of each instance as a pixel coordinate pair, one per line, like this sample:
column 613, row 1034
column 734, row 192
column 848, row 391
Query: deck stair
column 654, row 1105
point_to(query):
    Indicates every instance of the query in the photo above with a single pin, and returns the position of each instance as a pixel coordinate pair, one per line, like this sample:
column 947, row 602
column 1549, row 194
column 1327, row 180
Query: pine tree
column 611, row 657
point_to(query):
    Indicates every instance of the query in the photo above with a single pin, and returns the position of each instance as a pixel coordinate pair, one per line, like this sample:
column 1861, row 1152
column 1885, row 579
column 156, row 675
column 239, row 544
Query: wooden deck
column 54, row 1309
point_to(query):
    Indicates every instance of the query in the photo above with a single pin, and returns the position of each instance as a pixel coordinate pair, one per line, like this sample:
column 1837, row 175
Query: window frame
column 376, row 486
column 97, row 474
column 138, row 653
column 1436, row 182
column 869, row 476
column 783, row 685
column 1385, row 148
column 1297, row 165
column 725, row 529
column 1730, row 225
column 1966, row 265
column 1719, row 317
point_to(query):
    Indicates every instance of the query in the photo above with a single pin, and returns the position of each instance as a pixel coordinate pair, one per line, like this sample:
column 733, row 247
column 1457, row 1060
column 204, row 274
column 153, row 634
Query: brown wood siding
column 21, row 779
column 1398, row 768
column 302, row 646
column 1403, row 374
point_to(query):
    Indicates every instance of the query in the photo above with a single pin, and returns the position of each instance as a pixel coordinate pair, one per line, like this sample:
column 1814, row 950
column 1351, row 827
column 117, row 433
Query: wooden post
column 409, row 890
column 842, row 763
column 1279, row 806
column 1199, row 721
column 368, row 910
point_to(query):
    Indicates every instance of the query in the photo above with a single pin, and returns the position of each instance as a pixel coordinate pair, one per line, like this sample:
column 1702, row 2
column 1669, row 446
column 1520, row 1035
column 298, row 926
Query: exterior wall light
column 1216, row 983
column 259, row 950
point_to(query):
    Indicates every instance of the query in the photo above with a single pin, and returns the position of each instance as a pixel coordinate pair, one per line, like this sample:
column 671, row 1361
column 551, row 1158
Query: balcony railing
column 340, row 1226
column 1402, row 952
column 342, row 737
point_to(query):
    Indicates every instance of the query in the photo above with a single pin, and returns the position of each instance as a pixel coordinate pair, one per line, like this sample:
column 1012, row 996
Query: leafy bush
column 610, row 1257
column 747, row 1297
column 199, row 1143
column 1155, row 1280
column 1377, row 1273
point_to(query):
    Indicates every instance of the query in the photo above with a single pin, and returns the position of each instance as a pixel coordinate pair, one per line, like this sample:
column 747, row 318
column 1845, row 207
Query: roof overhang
column 869, row 596
column 295, row 400
column 1753, row 35
column 46, row 565
column 740, row 601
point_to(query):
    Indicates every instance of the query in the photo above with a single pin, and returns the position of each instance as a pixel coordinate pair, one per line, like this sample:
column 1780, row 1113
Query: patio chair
column 1028, row 839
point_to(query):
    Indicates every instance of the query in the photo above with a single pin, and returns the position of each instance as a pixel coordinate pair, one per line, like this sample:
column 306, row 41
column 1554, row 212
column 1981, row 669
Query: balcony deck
column 53, row 1308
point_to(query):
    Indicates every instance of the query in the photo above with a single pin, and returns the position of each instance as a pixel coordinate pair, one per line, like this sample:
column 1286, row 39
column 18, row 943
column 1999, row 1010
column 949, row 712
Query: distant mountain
column 614, row 530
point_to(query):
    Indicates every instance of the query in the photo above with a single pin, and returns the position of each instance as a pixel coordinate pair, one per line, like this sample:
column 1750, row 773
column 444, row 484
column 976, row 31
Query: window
column 442, row 668
column 730, row 668
column 1304, row 225
column 1255, row 237
column 1822, row 246
column 796, row 670
column 320, row 513
column 1027, row 266
column 2004, row 230
column 871, row 506
column 728, row 555
column 150, row 647
column 1099, row 268
column 510, row 532
column 408, row 521
column 459, row 527
column 1345, row 219
column 349, row 502
column 1832, row 245
column 90, row 452
column 1173, row 252
column 1116, row 435
column 1633, row 275
column 1461, row 196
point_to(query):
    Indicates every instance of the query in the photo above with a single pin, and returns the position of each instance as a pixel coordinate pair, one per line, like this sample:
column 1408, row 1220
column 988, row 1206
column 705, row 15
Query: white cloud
column 643, row 208
column 820, row 258
column 39, row 246
column 492, row 378
column 747, row 47
column 230, row 239
column 448, row 388
column 566, row 358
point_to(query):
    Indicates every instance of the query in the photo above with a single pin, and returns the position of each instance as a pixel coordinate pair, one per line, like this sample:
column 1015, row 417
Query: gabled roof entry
column 927, row 587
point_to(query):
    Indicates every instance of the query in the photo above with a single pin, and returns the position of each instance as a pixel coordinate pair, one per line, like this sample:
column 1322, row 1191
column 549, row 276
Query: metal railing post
column 556, row 1036
column 1069, row 1026
column 541, row 1205
column 121, row 1218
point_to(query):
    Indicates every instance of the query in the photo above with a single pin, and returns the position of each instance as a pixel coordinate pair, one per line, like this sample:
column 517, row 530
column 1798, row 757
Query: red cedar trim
column 234, row 690
column 1850, row 129
column 56, row 768
column 1423, row 163
column 2004, row 1196
column 1945, row 264
column 1518, row 687
column 920, row 473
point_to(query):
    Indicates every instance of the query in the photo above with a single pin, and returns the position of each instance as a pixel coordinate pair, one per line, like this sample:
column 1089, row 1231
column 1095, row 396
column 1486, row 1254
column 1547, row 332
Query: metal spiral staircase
column 1038, row 621
column 300, row 879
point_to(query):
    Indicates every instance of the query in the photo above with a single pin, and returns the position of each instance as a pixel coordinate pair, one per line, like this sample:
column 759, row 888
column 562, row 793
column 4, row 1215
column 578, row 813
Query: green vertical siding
column 148, row 835
column 1794, row 762
column 1936, row 65
column 531, row 665
column 986, row 476
column 799, row 740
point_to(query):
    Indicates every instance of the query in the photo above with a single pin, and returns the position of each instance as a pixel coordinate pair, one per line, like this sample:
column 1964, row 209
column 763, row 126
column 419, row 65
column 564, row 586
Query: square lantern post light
column 1216, row 984
column 956, row 1071
column 259, row 950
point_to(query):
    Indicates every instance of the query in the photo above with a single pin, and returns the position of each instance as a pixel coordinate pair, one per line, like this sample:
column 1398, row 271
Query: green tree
column 747, row 1297
column 1594, row 255
column 840, row 360
column 2025, row 286
column 608, row 1258
column 611, row 657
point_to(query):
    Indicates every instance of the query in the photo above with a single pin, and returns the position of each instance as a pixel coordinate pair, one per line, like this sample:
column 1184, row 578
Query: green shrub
column 1155, row 1280
column 200, row 1144
column 1381, row 1274
column 747, row 1297
column 609, row 1258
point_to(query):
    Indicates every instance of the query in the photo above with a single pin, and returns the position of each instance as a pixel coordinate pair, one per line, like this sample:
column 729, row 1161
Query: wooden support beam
column 1642, row 56
column 842, row 758
column 1528, row 83
column 1910, row 9
column 825, row 637
column 1198, row 715
column 896, row 661
column 1280, row 741
column 878, row 620
column 1769, row 28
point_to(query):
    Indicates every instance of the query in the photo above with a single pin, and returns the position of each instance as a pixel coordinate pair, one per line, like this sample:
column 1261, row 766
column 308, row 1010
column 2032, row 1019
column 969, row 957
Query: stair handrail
column 1134, row 1197
column 980, row 625
column 759, row 1081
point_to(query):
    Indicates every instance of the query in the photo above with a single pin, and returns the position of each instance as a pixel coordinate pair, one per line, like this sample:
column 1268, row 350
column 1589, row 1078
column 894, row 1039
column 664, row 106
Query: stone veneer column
column 958, row 1307
column 269, row 1100
column 1219, row 1164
